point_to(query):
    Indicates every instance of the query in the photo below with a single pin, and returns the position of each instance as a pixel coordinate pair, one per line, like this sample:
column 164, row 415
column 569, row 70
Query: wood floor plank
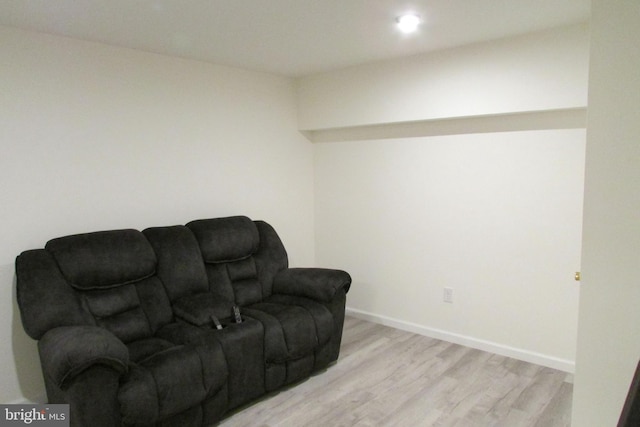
column 558, row 412
column 388, row 377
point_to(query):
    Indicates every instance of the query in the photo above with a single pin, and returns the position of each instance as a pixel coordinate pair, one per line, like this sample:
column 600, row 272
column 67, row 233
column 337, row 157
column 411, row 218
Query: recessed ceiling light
column 408, row 23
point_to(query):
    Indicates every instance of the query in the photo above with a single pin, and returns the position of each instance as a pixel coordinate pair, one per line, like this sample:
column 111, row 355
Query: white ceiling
column 289, row 37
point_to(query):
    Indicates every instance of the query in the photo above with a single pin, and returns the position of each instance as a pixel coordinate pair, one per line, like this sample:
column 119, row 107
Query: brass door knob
column 577, row 276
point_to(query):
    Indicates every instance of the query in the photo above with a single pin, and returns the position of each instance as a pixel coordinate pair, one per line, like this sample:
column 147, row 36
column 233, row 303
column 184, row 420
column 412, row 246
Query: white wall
column 494, row 215
column 96, row 137
column 537, row 72
column 609, row 324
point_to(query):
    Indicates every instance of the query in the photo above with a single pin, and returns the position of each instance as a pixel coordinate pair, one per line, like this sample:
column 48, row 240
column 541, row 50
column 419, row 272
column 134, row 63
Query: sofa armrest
column 69, row 350
column 319, row 284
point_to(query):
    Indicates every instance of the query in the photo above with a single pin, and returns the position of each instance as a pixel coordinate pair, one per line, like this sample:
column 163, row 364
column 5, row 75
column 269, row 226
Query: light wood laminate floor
column 388, row 377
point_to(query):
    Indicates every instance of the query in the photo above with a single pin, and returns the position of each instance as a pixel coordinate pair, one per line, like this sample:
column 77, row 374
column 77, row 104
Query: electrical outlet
column 447, row 295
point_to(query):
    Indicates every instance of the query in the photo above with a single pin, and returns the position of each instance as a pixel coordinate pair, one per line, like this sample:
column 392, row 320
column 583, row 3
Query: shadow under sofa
column 138, row 328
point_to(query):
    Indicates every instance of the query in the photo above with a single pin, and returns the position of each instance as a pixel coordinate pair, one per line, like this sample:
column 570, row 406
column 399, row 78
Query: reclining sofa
column 178, row 325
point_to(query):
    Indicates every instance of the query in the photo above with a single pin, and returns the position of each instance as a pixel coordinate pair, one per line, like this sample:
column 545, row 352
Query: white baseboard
column 564, row 365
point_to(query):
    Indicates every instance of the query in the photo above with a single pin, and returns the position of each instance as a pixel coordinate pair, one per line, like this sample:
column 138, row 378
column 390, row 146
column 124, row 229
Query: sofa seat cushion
column 294, row 326
column 181, row 332
column 148, row 347
column 171, row 381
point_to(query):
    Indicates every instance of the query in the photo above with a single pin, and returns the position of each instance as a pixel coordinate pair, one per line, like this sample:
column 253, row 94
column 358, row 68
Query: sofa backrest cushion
column 180, row 265
column 103, row 259
column 271, row 256
column 113, row 274
column 45, row 298
column 225, row 239
column 227, row 246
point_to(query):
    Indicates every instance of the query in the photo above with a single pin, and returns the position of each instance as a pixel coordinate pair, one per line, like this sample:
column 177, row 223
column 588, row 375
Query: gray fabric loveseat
column 178, row 325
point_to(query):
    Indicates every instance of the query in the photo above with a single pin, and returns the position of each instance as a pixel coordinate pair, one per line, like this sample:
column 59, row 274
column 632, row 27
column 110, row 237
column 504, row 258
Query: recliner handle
column 216, row 322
